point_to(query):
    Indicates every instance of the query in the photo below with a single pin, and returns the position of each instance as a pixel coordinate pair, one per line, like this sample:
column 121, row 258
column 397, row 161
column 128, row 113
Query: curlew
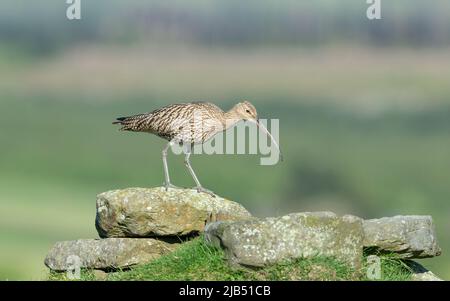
column 188, row 124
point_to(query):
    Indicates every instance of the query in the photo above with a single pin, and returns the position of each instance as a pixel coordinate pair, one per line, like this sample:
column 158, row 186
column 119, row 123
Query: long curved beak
column 263, row 128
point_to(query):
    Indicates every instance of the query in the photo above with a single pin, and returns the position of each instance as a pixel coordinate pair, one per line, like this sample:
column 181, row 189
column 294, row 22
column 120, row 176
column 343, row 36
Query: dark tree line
column 43, row 27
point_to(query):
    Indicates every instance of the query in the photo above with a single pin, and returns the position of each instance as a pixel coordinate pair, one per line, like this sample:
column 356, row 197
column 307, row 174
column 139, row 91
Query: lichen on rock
column 265, row 241
column 149, row 212
column 109, row 253
column 407, row 236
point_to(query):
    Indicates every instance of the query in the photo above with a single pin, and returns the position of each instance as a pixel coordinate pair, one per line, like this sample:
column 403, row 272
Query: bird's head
column 246, row 111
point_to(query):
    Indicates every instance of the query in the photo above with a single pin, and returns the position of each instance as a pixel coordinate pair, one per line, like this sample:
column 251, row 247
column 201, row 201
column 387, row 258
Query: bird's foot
column 204, row 190
column 171, row 186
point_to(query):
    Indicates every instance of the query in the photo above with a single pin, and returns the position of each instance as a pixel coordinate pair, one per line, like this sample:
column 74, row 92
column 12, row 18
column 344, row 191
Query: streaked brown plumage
column 183, row 123
column 188, row 124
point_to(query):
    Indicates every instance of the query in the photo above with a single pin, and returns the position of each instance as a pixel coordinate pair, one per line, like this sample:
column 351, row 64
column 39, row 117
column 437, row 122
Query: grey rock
column 142, row 212
column 102, row 254
column 100, row 275
column 420, row 273
column 410, row 236
column 261, row 242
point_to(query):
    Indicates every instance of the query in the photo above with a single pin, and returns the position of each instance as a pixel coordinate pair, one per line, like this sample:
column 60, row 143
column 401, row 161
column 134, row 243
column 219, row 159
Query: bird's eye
column 248, row 111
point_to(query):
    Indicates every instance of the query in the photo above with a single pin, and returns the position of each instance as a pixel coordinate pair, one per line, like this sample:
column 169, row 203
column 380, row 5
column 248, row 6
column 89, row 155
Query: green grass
column 392, row 268
column 195, row 260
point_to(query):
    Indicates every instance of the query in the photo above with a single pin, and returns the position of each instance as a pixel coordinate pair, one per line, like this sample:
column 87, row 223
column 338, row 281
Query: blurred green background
column 364, row 109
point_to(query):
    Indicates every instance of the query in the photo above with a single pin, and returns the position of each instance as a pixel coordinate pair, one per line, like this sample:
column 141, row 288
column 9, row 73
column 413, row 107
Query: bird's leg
column 167, row 183
column 199, row 186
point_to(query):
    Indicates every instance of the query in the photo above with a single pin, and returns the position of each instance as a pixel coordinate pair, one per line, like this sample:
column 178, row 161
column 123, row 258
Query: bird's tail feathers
column 127, row 123
column 135, row 123
column 119, row 120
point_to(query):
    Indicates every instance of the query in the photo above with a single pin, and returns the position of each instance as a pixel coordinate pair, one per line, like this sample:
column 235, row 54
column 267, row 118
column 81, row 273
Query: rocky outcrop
column 260, row 242
column 406, row 236
column 142, row 212
column 138, row 225
column 266, row 241
column 110, row 253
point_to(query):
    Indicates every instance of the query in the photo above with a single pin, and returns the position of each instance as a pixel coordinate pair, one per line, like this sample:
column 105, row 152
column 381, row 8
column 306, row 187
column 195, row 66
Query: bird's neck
column 231, row 118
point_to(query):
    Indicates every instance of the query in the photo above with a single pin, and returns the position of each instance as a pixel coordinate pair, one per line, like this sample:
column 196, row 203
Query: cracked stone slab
column 150, row 212
column 410, row 236
column 104, row 254
column 265, row 241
